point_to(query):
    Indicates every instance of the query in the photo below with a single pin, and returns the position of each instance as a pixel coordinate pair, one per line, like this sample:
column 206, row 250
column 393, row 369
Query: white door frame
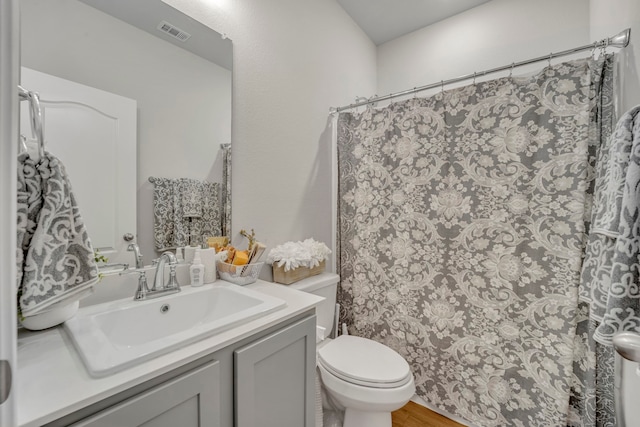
column 9, row 70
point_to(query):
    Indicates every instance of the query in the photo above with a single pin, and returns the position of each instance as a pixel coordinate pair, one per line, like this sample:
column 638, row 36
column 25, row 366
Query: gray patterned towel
column 29, row 195
column 191, row 191
column 611, row 269
column 55, row 253
column 171, row 226
column 163, row 213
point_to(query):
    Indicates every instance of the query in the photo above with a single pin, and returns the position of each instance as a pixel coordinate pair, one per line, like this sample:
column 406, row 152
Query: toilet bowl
column 365, row 379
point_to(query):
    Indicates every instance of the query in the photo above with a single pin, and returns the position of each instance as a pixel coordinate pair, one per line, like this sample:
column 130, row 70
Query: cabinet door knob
column 128, row 237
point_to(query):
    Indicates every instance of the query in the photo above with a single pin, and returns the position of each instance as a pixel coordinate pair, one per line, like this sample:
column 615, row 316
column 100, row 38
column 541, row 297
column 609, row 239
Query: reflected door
column 93, row 133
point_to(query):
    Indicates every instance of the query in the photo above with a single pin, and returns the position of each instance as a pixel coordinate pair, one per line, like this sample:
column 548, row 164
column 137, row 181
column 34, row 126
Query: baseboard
column 420, row 401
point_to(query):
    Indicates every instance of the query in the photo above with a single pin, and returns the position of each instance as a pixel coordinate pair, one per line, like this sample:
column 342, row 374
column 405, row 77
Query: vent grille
column 173, row 31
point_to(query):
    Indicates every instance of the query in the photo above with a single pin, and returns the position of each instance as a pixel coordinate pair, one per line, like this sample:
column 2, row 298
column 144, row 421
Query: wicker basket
column 239, row 274
column 291, row 276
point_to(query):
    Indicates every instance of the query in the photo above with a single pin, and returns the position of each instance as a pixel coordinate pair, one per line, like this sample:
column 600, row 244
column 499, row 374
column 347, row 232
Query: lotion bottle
column 196, row 271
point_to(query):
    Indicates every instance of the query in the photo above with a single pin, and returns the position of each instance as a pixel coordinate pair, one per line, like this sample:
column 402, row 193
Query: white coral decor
column 308, row 253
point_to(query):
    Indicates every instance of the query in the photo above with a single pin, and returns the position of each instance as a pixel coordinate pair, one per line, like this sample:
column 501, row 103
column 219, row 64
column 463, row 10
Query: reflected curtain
column 463, row 219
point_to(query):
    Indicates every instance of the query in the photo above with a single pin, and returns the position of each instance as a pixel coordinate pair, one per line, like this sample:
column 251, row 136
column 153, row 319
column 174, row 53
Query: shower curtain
column 462, row 224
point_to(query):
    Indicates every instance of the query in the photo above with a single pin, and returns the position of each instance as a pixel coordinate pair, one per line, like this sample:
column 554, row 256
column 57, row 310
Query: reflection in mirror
column 182, row 98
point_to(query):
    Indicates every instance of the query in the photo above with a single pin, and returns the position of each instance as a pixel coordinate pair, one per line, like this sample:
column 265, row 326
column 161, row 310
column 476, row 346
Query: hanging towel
column 191, row 192
column 172, row 227
column 29, row 203
column 58, row 259
column 623, row 301
column 611, row 269
column 210, row 221
column 163, row 215
column 611, row 170
column 182, row 225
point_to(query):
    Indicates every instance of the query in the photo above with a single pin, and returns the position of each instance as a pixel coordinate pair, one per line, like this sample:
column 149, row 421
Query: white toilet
column 365, row 378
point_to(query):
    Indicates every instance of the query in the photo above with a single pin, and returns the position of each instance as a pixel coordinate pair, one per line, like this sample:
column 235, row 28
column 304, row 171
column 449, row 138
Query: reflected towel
column 210, row 221
column 191, row 192
column 163, row 213
column 58, row 259
column 171, row 228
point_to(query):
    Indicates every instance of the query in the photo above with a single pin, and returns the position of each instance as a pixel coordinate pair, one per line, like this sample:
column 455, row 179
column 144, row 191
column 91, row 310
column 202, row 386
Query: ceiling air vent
column 173, row 31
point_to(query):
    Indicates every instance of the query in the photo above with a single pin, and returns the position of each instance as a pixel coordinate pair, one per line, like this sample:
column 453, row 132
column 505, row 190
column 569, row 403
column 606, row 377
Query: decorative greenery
column 98, row 257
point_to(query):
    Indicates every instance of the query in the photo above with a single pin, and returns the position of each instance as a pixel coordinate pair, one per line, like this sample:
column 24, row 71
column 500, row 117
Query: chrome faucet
column 159, row 288
column 136, row 252
column 158, row 281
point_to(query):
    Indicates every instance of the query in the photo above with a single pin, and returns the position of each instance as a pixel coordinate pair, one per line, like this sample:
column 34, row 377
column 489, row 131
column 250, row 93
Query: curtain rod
column 620, row 40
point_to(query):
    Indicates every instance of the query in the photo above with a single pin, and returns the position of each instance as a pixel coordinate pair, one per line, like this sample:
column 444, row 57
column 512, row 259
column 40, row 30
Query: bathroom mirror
column 177, row 72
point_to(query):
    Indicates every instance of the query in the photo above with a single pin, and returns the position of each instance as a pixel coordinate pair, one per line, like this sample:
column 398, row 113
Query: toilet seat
column 364, row 362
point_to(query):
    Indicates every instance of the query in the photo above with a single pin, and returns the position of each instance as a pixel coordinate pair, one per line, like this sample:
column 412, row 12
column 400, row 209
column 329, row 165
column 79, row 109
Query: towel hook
column 35, row 113
column 23, row 144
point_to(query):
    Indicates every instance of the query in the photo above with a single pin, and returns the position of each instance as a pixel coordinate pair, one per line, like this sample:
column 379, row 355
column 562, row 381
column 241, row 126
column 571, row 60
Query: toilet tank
column 324, row 285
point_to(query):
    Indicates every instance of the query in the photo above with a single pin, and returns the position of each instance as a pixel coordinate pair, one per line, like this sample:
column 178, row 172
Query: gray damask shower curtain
column 463, row 220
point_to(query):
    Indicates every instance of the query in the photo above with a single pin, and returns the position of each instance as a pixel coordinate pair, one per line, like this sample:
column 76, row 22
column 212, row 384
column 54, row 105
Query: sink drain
column 164, row 308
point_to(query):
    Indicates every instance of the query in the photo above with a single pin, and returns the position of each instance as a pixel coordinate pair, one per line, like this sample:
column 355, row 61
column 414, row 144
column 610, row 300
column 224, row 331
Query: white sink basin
column 116, row 335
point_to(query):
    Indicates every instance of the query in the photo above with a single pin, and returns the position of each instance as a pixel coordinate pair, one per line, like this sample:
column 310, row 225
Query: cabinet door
column 274, row 378
column 191, row 400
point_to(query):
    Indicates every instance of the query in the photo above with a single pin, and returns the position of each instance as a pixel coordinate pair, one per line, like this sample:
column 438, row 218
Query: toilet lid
column 364, row 362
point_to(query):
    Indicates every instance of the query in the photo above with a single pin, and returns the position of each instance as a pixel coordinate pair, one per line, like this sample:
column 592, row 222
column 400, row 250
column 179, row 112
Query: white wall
column 493, row 34
column 293, row 59
column 184, row 101
column 608, row 17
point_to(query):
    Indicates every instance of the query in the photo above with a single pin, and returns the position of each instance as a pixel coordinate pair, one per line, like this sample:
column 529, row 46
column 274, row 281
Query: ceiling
column 381, row 20
column 384, row 20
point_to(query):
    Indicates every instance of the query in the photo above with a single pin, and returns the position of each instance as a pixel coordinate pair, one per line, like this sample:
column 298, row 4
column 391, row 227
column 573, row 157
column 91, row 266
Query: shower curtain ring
column 593, row 51
column 474, row 78
column 442, row 86
column 550, row 56
column 513, row 64
column 603, row 48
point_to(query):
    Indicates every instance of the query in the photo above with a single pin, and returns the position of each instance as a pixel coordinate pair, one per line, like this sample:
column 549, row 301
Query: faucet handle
column 143, row 289
column 173, row 280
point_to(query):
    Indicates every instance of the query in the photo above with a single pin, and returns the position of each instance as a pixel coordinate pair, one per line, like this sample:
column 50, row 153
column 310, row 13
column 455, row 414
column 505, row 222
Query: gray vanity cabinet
column 275, row 379
column 190, row 400
column 263, row 380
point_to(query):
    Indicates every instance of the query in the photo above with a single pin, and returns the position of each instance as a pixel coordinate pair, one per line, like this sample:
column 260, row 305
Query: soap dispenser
column 196, row 270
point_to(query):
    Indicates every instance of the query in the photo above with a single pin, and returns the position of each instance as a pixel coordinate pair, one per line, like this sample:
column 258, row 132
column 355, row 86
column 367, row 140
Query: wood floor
column 414, row 415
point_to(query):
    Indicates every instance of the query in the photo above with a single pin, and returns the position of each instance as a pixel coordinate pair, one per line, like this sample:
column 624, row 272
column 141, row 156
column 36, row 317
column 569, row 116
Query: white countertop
column 53, row 382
